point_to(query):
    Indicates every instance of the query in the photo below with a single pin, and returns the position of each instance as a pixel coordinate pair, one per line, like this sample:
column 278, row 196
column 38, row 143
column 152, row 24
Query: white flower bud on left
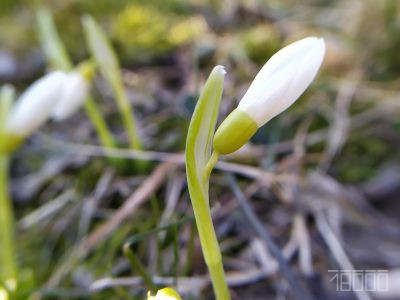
column 74, row 93
column 34, row 106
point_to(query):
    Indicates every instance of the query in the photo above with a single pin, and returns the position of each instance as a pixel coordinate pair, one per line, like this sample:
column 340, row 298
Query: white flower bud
column 283, row 79
column 74, row 93
column 278, row 85
column 33, row 107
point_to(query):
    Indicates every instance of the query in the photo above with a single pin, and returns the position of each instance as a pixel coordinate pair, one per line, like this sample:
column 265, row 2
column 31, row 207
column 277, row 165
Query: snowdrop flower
column 74, row 92
column 277, row 86
column 31, row 110
column 35, row 104
column 164, row 294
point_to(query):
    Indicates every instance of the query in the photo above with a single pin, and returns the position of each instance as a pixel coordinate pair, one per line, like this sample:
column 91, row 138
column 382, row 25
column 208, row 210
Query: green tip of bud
column 9, row 143
column 87, row 69
column 235, row 131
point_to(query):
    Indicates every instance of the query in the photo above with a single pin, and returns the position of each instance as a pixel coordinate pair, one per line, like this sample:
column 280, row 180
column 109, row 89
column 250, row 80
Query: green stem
column 7, row 242
column 99, row 123
column 210, row 166
column 210, row 247
column 103, row 132
column 219, row 282
column 208, row 238
column 126, row 114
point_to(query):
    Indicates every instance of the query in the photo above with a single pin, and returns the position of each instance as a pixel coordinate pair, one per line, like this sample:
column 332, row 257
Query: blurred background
column 323, row 178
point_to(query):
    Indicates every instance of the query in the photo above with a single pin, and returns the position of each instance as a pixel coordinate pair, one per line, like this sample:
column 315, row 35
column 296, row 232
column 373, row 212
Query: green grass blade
column 101, row 49
column 51, row 42
column 106, row 59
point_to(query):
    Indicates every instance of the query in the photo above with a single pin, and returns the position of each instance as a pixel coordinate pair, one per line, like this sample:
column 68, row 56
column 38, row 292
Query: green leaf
column 101, row 49
column 199, row 162
column 201, row 131
column 107, row 61
column 51, row 42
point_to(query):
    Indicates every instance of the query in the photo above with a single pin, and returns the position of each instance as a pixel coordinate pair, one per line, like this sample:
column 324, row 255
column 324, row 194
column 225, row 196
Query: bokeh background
column 323, row 177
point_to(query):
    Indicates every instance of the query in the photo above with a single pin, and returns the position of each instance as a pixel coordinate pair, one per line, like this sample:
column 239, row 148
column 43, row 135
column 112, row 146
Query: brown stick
column 131, row 204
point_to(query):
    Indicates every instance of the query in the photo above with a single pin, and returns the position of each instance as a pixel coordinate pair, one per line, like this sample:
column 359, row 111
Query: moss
column 261, row 42
column 380, row 39
column 366, row 155
column 142, row 31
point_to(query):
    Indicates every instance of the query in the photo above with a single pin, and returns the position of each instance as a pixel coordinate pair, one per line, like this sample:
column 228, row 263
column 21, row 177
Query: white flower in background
column 74, row 92
column 34, row 106
column 277, row 86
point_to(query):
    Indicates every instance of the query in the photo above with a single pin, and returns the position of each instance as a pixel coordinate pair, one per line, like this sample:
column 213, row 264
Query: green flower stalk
column 108, row 64
column 8, row 265
column 199, row 163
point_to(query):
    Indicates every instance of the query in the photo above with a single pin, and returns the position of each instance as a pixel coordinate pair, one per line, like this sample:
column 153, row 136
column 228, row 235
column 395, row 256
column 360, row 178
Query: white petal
column 283, row 79
column 34, row 106
column 75, row 90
